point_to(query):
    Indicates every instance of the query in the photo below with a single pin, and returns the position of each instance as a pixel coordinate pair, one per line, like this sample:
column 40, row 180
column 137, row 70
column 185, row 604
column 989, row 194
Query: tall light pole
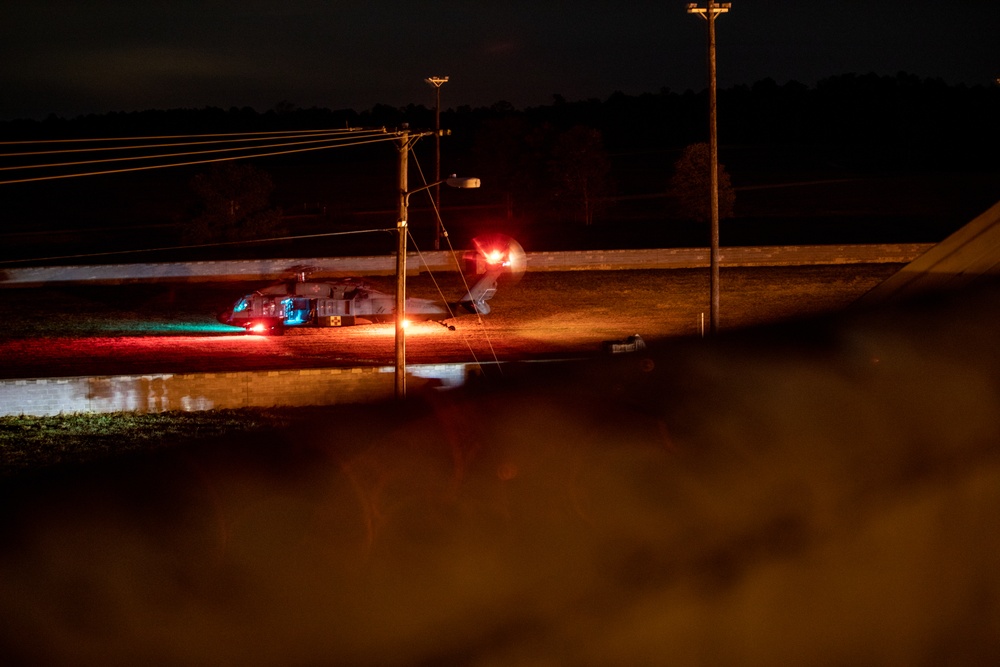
column 437, row 82
column 709, row 14
column 406, row 141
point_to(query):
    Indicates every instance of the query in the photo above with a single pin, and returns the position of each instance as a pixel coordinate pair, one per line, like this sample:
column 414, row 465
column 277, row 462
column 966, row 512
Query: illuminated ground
column 110, row 330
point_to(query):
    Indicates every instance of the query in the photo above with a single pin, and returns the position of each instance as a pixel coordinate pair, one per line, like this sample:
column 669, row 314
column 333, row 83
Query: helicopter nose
column 225, row 317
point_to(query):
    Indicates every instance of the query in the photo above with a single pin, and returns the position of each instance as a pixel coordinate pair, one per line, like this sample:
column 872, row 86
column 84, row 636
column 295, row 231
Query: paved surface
column 137, row 329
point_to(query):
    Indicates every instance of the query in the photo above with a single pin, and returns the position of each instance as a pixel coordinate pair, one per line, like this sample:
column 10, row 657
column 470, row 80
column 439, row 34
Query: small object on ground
column 631, row 344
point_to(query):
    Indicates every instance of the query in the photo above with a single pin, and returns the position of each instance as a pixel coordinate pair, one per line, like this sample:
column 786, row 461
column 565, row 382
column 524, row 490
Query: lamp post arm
column 452, row 181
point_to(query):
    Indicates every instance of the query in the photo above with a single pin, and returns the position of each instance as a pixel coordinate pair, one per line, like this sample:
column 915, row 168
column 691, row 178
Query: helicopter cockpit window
column 241, row 305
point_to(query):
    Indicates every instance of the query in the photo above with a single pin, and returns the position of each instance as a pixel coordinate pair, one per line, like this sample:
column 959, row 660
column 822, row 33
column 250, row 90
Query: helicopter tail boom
column 482, row 291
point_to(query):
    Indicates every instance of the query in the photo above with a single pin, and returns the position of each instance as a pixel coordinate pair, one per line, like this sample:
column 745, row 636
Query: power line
column 266, row 137
column 163, row 136
column 458, row 265
column 167, row 155
column 380, row 138
column 190, row 247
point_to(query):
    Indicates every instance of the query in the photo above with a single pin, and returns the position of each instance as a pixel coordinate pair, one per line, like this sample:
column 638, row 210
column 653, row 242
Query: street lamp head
column 436, row 81
column 462, row 182
column 713, row 9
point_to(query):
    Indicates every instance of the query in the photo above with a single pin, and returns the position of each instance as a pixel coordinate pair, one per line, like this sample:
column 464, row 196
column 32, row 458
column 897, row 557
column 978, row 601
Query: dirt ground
column 170, row 328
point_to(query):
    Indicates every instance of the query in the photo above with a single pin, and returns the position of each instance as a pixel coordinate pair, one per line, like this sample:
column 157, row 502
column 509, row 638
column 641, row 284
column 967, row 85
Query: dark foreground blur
column 821, row 493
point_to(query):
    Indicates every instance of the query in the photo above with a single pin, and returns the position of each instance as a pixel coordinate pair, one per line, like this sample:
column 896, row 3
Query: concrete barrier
column 750, row 256
column 440, row 260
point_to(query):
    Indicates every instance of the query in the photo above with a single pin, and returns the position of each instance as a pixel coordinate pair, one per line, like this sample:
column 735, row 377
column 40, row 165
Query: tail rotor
column 494, row 251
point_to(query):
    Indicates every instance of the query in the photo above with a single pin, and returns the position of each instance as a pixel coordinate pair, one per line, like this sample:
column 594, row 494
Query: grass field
column 37, row 443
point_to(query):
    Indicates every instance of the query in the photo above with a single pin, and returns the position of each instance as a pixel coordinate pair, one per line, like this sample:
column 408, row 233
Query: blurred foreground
column 826, row 492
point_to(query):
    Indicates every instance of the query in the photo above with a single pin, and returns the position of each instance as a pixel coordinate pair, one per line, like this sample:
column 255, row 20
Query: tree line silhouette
column 581, row 161
column 923, row 119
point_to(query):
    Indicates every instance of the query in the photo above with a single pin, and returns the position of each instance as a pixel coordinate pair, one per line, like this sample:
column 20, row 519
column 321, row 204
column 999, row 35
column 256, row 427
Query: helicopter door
column 297, row 311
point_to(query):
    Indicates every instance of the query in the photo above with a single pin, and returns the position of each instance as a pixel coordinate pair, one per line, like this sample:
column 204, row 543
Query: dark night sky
column 69, row 57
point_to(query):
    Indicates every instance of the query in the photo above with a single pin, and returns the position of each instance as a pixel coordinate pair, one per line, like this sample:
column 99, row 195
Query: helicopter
column 351, row 301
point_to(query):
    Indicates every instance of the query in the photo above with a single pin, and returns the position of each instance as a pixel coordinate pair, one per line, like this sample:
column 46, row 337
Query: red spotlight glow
column 258, row 328
column 498, row 250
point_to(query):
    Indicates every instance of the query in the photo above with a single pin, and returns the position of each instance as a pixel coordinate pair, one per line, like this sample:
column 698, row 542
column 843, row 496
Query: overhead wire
column 454, row 255
column 162, row 136
column 266, row 136
column 444, row 299
column 166, row 155
column 374, row 139
column 338, row 139
column 195, row 246
column 479, row 316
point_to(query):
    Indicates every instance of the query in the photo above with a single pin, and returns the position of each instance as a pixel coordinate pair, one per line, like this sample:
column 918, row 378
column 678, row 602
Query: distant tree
column 580, row 171
column 284, row 108
column 540, row 170
column 690, row 186
column 502, row 107
column 510, row 155
column 234, row 205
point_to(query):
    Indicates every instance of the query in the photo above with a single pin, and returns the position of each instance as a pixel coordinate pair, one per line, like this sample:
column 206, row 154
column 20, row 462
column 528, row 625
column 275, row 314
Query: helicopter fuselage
column 323, row 304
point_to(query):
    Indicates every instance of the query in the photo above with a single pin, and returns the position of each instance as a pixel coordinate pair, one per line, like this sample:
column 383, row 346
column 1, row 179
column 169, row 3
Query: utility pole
column 406, row 141
column 709, row 14
column 437, row 82
column 402, row 230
